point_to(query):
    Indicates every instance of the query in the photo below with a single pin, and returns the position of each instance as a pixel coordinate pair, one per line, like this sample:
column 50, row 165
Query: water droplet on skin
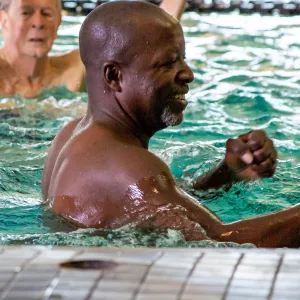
column 154, row 190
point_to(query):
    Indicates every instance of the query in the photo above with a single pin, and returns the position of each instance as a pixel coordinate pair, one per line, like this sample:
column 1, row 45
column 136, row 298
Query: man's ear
column 113, row 76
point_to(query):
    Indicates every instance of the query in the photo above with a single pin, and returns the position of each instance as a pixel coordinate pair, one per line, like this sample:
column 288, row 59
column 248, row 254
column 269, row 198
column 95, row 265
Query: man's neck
column 26, row 67
column 119, row 122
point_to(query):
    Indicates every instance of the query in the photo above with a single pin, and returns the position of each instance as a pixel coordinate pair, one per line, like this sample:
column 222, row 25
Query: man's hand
column 251, row 156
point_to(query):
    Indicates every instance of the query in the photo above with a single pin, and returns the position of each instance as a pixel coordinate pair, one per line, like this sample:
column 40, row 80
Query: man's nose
column 186, row 75
column 38, row 21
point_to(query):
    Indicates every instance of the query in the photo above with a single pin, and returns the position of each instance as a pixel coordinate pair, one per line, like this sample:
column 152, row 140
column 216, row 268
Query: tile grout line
column 55, row 280
column 97, row 280
column 48, row 291
column 232, row 275
column 181, row 292
column 94, row 286
column 11, row 282
column 137, row 291
column 275, row 277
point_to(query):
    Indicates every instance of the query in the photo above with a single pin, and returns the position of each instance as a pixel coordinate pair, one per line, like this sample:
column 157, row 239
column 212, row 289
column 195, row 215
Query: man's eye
column 25, row 13
column 170, row 62
column 47, row 14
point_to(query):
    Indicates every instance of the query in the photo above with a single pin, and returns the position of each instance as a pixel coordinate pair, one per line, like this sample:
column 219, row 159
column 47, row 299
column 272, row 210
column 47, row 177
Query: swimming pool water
column 246, row 77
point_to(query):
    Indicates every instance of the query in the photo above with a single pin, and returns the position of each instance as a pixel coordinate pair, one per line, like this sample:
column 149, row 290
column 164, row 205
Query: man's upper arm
column 156, row 186
column 156, row 201
column 54, row 150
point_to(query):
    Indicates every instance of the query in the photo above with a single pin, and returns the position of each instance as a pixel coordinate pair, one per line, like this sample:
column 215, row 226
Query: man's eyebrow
column 171, row 52
column 48, row 8
column 27, row 6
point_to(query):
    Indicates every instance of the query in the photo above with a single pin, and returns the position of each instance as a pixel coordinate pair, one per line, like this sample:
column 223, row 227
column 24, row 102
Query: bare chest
column 11, row 83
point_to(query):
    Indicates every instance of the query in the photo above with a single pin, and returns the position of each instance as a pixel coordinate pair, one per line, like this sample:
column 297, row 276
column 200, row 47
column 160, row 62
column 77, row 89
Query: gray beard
column 168, row 118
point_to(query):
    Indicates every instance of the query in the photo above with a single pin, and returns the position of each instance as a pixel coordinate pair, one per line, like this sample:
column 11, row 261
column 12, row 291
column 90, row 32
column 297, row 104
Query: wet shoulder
column 65, row 134
column 57, row 145
column 129, row 164
column 96, row 150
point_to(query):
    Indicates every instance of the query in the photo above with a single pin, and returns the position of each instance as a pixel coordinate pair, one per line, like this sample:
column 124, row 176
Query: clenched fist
column 251, row 156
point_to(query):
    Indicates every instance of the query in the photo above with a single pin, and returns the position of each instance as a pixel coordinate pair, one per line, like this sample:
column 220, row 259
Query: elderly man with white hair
column 30, row 28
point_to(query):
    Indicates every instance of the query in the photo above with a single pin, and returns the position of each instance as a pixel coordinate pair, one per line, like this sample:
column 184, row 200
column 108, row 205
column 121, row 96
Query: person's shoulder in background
column 71, row 68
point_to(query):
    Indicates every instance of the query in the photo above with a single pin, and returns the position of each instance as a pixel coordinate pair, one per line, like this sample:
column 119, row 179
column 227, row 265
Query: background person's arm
column 174, row 7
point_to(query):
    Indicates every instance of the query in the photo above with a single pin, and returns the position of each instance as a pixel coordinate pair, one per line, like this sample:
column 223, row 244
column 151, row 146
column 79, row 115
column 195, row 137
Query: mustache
column 181, row 91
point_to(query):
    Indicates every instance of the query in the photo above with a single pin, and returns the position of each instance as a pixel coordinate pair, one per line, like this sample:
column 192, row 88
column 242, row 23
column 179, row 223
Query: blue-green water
column 246, row 77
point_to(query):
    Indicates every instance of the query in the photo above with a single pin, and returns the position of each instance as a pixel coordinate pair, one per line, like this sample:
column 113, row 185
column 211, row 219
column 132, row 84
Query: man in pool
column 30, row 28
column 99, row 172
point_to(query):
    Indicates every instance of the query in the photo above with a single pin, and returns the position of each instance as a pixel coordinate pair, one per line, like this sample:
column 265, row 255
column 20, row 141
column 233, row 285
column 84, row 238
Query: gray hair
column 4, row 4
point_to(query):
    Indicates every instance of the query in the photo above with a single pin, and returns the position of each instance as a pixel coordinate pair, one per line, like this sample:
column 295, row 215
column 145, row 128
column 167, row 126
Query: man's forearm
column 174, row 7
column 215, row 178
column 280, row 229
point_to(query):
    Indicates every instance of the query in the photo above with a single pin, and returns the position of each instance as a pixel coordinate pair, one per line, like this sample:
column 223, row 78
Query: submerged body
column 99, row 172
column 112, row 198
column 110, row 191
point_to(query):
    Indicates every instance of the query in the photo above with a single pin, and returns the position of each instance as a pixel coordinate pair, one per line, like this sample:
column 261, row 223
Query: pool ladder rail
column 276, row 7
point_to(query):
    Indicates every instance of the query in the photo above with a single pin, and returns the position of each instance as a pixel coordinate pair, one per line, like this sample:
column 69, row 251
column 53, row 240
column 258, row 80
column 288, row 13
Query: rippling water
column 246, row 77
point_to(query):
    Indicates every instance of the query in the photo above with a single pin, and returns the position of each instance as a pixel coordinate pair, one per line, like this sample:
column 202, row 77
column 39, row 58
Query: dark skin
column 99, row 172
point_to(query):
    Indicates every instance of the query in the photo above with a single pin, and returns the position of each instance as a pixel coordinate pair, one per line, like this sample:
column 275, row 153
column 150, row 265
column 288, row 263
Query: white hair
column 4, row 4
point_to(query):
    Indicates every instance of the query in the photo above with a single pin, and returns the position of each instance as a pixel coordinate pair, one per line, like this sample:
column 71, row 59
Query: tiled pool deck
column 34, row 272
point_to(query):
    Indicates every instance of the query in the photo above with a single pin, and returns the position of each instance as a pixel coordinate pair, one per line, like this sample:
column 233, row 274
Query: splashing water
column 246, row 77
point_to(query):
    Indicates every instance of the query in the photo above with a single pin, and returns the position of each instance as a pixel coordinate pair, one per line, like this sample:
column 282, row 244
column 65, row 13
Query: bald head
column 119, row 30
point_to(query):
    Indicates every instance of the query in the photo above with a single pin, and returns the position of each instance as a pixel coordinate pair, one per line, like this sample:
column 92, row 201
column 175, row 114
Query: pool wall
column 84, row 7
column 34, row 272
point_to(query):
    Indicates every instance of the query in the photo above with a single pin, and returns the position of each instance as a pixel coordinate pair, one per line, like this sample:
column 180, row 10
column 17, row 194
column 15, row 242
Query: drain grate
column 90, row 264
